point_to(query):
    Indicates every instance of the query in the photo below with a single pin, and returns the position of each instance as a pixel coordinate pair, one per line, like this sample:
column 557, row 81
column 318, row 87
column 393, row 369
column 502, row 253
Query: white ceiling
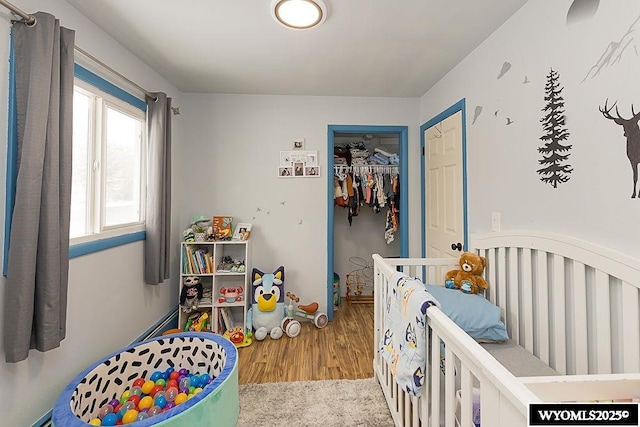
column 385, row 48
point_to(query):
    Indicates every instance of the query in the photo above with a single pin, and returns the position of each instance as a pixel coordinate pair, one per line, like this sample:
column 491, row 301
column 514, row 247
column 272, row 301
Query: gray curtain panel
column 35, row 302
column 158, row 206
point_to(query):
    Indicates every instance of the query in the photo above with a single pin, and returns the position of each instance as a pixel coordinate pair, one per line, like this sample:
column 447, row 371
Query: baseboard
column 168, row 321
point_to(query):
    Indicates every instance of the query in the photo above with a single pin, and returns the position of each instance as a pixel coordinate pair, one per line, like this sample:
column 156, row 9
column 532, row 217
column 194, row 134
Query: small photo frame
column 312, row 158
column 242, row 232
column 298, row 169
column 312, row 171
column 298, row 143
column 285, row 172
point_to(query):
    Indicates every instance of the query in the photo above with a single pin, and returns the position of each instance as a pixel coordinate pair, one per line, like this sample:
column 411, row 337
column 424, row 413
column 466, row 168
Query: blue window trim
column 12, row 155
column 108, row 87
column 102, row 244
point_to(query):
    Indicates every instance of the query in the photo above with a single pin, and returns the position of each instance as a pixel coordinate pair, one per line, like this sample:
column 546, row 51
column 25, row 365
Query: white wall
column 595, row 203
column 109, row 305
column 229, row 166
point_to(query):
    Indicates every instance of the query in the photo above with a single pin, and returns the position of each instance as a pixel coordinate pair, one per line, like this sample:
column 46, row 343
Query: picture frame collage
column 299, row 164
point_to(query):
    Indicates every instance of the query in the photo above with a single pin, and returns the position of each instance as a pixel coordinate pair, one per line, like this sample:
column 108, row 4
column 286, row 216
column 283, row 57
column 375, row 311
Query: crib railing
column 503, row 399
column 573, row 304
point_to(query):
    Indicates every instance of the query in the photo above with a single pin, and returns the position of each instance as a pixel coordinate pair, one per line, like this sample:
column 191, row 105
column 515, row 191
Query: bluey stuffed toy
column 267, row 304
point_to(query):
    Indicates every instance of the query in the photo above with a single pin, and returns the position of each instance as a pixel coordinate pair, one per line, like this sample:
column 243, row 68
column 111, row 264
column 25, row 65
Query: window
column 107, row 192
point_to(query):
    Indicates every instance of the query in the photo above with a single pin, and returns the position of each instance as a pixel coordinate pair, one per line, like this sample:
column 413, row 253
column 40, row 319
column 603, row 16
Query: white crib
column 572, row 304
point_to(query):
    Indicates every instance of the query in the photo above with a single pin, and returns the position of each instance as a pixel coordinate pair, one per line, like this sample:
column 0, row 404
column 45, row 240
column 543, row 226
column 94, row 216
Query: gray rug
column 342, row 403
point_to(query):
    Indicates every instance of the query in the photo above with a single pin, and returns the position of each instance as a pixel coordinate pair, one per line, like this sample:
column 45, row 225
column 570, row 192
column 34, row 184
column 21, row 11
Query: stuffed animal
column 267, row 310
column 191, row 293
column 468, row 278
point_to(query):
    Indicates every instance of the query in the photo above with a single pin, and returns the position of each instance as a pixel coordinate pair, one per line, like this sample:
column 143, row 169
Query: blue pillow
column 473, row 313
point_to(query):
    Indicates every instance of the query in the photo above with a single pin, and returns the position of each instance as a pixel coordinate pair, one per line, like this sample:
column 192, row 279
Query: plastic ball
column 160, row 401
column 155, row 376
column 130, row 416
column 117, row 407
column 128, row 405
column 174, row 375
column 121, row 412
column 171, row 394
column 114, row 402
column 172, row 383
column 191, row 389
column 95, row 422
column 110, row 420
column 148, row 386
column 157, row 389
column 183, row 390
column 185, row 382
column 205, row 379
column 138, row 382
column 154, row 410
column 161, row 381
column 146, row 402
column 169, row 405
column 135, row 399
column 104, row 410
column 142, row 416
column 136, row 390
column 180, row 398
column 197, row 390
column 183, row 371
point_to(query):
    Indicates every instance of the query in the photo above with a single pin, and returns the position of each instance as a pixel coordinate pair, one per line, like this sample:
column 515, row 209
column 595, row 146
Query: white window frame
column 96, row 197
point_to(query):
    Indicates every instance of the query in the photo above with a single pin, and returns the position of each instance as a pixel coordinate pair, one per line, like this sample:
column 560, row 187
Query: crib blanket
column 403, row 343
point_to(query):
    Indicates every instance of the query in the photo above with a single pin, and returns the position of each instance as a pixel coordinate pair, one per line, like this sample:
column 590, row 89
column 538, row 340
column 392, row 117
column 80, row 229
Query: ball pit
column 183, row 379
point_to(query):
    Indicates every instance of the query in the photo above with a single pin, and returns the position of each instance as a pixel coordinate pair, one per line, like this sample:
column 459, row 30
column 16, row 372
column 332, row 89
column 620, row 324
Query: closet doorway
column 389, row 140
column 444, row 184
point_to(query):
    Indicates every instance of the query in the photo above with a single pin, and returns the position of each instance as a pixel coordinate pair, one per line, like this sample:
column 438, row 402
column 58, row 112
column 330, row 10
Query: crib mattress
column 517, row 360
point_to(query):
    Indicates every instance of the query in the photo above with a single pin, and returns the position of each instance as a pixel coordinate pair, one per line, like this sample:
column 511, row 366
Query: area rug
column 342, row 403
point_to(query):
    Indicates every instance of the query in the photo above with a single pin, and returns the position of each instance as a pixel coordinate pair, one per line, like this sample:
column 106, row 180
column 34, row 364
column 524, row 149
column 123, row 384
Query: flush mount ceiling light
column 299, row 14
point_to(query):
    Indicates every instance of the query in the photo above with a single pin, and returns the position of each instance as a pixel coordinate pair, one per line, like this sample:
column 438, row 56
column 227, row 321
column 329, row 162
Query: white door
column 444, row 187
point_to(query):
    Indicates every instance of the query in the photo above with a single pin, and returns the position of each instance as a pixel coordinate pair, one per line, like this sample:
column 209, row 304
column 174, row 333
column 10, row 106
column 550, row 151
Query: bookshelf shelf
column 204, row 260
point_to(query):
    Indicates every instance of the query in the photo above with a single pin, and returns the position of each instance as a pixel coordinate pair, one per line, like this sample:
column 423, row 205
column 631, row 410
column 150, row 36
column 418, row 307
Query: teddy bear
column 468, row 278
column 191, row 293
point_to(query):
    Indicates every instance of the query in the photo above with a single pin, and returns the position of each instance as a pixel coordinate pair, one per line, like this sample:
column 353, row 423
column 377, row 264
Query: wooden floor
column 341, row 350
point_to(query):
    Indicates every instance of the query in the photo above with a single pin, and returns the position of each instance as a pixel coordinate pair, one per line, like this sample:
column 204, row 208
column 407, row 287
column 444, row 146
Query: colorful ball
column 146, row 402
column 138, row 382
column 135, row 399
column 160, row 401
column 154, row 410
column 172, row 383
column 104, row 410
column 148, row 386
column 171, row 394
column 95, row 422
column 136, row 390
column 130, row 416
column 157, row 389
column 110, row 420
column 183, row 371
column 161, row 381
column 142, row 416
column 180, row 398
column 205, row 379
column 174, row 375
column 114, row 402
column 185, row 382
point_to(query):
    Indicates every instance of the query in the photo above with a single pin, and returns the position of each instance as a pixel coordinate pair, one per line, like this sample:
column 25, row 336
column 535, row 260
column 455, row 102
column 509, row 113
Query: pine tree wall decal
column 554, row 168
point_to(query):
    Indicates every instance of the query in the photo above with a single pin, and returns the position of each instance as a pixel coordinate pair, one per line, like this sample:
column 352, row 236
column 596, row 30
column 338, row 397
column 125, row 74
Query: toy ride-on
column 291, row 326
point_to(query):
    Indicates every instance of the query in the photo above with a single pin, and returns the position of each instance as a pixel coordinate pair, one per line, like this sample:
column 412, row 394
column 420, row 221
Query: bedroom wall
column 109, row 305
column 230, row 161
column 593, row 46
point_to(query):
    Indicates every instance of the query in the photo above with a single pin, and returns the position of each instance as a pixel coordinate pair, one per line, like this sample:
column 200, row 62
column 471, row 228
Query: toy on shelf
column 197, row 322
column 230, row 294
column 310, row 312
column 267, row 304
column 191, row 293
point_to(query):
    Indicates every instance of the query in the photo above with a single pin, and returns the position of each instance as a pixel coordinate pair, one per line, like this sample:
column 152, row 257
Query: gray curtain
column 35, row 302
column 158, row 206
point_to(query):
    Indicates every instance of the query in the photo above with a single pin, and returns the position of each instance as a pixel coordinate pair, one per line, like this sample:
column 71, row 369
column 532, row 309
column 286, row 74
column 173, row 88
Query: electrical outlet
column 495, row 221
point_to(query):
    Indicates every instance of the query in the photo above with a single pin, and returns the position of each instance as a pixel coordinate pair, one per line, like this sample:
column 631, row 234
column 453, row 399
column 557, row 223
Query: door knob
column 456, row 246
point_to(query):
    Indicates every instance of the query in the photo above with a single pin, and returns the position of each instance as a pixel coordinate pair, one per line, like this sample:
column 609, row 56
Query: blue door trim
column 403, row 136
column 458, row 106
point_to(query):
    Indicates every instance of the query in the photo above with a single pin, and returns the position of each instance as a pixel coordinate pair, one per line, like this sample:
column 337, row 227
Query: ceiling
column 380, row 48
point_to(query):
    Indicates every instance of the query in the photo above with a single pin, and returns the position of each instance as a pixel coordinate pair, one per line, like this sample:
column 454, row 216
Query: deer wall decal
column 632, row 133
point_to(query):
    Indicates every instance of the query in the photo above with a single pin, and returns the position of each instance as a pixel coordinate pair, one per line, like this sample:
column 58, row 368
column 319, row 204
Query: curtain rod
column 30, row 20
